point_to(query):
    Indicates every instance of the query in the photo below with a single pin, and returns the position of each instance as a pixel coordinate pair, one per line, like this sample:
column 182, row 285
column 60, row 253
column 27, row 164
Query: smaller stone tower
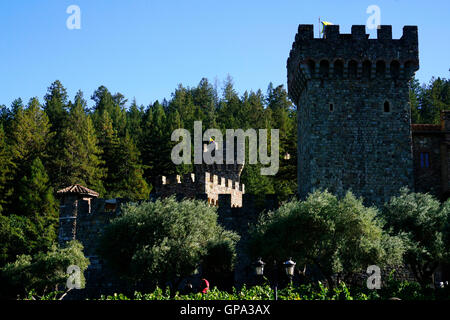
column 71, row 198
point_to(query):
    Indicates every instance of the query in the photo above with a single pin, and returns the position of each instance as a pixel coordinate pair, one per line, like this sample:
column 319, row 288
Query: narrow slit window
column 424, row 160
column 387, row 106
column 331, row 107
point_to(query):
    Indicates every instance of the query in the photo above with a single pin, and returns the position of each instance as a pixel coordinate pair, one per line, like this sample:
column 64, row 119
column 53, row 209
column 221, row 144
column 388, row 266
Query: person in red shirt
column 204, row 286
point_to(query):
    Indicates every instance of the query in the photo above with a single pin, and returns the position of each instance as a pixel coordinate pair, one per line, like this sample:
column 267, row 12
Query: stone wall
column 190, row 185
column 91, row 221
column 354, row 119
column 431, row 157
column 427, row 140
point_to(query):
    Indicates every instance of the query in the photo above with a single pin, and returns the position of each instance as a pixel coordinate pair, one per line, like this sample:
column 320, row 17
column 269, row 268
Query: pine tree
column 31, row 133
column 414, row 96
column 284, row 118
column 156, row 149
column 204, row 99
column 109, row 144
column 229, row 107
column 134, row 121
column 29, row 138
column 56, row 109
column 5, row 170
column 114, row 105
column 55, row 106
column 129, row 175
column 36, row 202
column 182, row 101
column 81, row 162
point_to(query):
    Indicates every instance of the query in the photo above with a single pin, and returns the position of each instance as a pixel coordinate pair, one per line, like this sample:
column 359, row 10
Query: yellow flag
column 325, row 23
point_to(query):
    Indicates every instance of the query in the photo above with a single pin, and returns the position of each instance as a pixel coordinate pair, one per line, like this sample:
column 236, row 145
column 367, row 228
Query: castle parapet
column 351, row 56
column 190, row 184
column 214, row 188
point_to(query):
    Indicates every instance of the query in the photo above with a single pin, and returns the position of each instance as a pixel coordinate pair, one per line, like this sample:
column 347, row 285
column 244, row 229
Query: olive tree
column 421, row 219
column 45, row 272
column 161, row 241
column 337, row 236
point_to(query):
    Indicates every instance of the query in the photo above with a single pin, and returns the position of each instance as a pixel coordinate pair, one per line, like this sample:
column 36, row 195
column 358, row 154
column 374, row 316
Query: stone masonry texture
column 354, row 118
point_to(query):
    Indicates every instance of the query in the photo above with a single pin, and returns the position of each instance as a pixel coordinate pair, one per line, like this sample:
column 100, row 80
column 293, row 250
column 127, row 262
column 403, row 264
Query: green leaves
column 44, row 272
column 163, row 240
column 335, row 235
column 428, row 100
column 421, row 220
column 80, row 161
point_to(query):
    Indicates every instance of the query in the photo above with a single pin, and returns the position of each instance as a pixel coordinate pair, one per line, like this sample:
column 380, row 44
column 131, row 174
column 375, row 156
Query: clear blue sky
column 145, row 48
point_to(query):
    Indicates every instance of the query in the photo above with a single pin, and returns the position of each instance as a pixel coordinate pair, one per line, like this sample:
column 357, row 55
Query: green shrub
column 163, row 241
column 43, row 273
column 421, row 220
column 337, row 236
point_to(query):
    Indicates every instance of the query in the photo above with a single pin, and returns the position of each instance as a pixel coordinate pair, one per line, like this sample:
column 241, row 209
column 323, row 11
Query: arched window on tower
column 366, row 69
column 324, row 68
column 311, row 67
column 409, row 68
column 387, row 106
column 352, row 69
column 339, row 69
column 381, row 68
column 395, row 69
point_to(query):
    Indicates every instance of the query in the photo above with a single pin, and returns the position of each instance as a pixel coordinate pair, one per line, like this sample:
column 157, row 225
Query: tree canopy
column 337, row 236
column 161, row 241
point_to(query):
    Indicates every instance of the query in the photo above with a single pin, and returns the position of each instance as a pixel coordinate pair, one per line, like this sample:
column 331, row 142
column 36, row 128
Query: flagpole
column 319, row 27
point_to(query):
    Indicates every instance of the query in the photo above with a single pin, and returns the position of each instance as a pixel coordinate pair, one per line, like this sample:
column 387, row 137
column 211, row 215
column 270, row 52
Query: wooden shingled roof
column 425, row 127
column 78, row 189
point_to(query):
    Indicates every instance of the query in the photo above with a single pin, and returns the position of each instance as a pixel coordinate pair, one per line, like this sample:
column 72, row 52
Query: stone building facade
column 189, row 185
column 431, row 157
column 354, row 118
column 210, row 179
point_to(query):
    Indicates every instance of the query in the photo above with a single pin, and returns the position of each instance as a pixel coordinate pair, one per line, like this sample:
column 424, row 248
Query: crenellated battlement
column 351, row 56
column 352, row 95
column 192, row 184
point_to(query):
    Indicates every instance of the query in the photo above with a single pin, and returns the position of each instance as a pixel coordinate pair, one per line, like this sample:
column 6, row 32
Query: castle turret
column 73, row 200
column 354, row 117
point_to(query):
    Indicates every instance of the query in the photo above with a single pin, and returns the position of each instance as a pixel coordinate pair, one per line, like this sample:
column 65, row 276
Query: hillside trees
column 29, row 139
column 428, row 100
column 80, row 158
column 5, row 169
column 37, row 202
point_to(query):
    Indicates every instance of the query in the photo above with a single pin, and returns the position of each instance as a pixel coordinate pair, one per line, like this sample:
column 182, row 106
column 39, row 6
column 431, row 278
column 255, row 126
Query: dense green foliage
column 337, row 236
column 423, row 223
column 43, row 272
column 399, row 289
column 428, row 100
column 164, row 240
column 119, row 149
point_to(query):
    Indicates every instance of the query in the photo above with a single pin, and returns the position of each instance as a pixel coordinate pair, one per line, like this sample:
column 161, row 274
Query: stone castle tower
column 354, row 117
